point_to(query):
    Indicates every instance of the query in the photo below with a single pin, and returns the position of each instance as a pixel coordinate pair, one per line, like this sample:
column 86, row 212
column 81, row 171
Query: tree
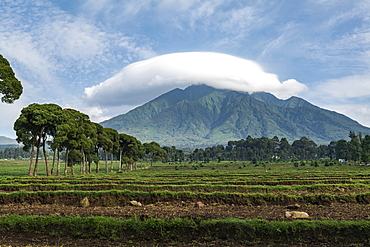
column 101, row 143
column 331, row 149
column 284, row 150
column 10, row 87
column 80, row 135
column 154, row 151
column 126, row 145
column 354, row 147
column 113, row 145
column 27, row 134
column 304, row 148
column 365, row 144
column 33, row 127
column 131, row 150
column 341, row 149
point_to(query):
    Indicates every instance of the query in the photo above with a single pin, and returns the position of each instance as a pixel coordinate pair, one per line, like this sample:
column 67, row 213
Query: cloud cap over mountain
column 142, row 81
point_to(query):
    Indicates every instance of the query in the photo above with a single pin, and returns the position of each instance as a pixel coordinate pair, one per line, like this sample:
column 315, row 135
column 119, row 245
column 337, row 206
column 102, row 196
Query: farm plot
column 182, row 205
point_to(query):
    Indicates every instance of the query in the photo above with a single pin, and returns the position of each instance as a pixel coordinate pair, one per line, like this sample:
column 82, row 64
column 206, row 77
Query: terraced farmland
column 236, row 204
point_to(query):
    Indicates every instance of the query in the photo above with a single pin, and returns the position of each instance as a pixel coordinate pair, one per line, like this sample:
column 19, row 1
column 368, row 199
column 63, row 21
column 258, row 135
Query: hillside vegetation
column 202, row 116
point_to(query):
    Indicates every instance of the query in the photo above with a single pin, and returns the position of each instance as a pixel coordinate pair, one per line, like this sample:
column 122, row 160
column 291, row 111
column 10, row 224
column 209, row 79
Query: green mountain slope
column 203, row 116
column 5, row 140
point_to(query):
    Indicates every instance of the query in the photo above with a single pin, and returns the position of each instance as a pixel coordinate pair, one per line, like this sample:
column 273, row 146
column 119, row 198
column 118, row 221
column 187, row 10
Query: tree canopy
column 10, row 87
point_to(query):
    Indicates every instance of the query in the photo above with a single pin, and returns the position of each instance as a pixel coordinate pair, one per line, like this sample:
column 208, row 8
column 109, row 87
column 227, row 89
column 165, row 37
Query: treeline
column 70, row 133
column 265, row 149
column 14, row 153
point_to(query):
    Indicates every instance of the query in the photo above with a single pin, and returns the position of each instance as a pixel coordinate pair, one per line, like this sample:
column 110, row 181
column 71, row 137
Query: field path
column 334, row 211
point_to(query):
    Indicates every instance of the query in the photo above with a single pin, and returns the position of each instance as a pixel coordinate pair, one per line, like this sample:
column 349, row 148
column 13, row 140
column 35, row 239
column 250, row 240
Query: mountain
column 5, row 141
column 200, row 116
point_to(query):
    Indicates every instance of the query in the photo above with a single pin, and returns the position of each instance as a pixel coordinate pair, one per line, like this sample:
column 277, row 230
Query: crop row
column 190, row 230
column 123, row 198
column 340, row 188
column 177, row 180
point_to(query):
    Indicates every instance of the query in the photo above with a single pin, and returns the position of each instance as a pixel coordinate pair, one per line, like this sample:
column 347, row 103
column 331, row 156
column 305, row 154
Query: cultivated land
column 219, row 204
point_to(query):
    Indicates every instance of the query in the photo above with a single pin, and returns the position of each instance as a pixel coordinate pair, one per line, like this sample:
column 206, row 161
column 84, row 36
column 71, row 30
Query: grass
column 186, row 230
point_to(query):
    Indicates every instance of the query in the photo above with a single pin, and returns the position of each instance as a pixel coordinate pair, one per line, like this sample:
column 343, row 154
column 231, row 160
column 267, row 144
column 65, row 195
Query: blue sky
column 104, row 57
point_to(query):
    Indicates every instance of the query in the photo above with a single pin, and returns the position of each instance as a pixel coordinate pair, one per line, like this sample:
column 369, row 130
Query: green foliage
column 10, row 87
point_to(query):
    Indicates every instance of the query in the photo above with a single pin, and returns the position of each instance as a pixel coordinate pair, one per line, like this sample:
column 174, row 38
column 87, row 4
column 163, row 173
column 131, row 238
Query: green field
column 225, row 186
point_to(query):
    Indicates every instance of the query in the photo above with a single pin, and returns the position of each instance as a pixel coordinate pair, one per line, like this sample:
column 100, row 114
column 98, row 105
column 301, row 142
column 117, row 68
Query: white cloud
column 361, row 113
column 135, row 51
column 348, row 95
column 53, row 43
column 10, row 113
column 142, row 81
column 342, row 89
column 99, row 114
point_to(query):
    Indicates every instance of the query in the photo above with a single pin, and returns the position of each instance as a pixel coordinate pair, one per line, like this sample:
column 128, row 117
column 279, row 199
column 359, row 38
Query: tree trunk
column 82, row 163
column 120, row 161
column 53, row 166
column 66, row 164
column 89, row 163
column 97, row 167
column 106, row 161
column 37, row 152
column 45, row 157
column 58, row 163
column 87, row 167
column 111, row 163
column 37, row 159
column 31, row 158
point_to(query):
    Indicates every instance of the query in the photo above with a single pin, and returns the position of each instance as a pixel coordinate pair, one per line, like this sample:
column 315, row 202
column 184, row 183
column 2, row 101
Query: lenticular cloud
column 142, row 81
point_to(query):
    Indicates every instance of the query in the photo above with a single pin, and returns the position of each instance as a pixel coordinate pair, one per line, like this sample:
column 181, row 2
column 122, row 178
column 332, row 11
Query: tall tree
column 154, row 151
column 113, row 146
column 81, row 137
column 103, row 143
column 33, row 127
column 10, row 87
column 131, row 150
column 365, row 144
column 284, row 149
column 341, row 149
column 354, row 147
column 27, row 134
column 304, row 148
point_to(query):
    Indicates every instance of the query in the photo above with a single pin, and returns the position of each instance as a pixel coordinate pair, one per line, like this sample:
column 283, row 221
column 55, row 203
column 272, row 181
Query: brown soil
column 334, row 211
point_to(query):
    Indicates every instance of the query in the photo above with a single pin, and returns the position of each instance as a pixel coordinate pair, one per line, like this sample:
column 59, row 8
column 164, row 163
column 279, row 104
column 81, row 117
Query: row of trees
column 43, row 126
column 14, row 153
column 264, row 149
